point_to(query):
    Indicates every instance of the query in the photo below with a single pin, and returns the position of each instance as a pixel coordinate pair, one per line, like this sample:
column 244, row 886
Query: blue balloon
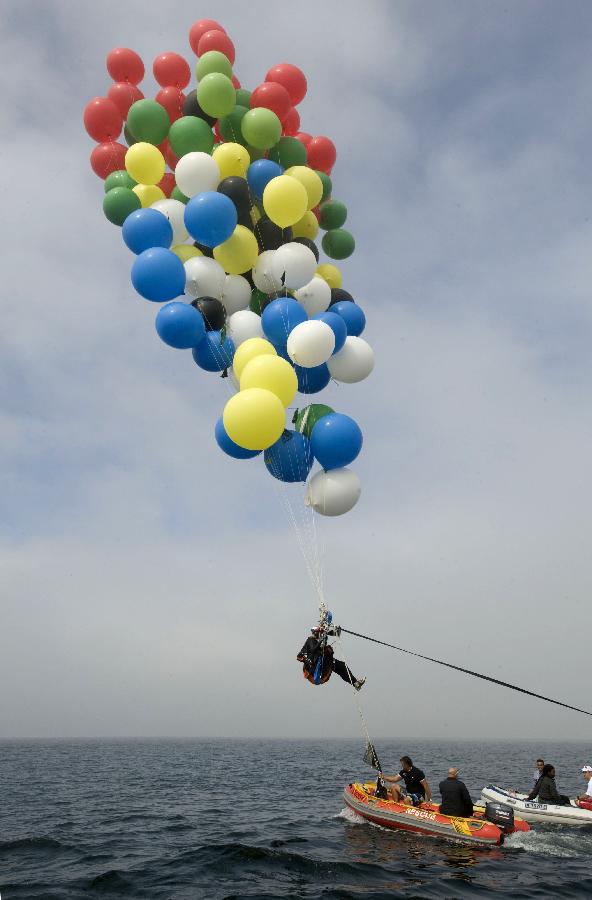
column 352, row 315
column 337, row 325
column 280, row 317
column 227, row 444
column 290, row 458
column 336, row 440
column 210, row 218
column 213, row 354
column 180, row 325
column 146, row 228
column 158, row 275
column 260, row 173
column 313, row 380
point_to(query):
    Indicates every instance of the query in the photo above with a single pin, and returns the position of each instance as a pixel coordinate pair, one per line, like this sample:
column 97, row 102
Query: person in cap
column 318, row 660
column 416, row 783
column 456, row 800
column 585, row 800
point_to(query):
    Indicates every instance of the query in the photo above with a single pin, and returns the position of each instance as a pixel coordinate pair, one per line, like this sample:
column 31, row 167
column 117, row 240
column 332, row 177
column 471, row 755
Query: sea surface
column 188, row 819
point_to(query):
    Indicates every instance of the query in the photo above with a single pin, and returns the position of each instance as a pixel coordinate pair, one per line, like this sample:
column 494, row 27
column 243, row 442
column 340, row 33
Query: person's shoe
column 359, row 684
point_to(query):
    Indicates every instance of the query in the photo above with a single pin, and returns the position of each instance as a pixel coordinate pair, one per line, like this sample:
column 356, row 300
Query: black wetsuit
column 313, row 649
column 456, row 800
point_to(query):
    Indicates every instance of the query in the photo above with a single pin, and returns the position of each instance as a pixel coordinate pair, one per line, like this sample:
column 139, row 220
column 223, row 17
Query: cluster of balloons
column 221, row 198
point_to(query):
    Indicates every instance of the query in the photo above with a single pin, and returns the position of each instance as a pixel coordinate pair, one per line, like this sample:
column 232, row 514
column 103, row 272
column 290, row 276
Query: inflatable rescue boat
column 533, row 811
column 488, row 826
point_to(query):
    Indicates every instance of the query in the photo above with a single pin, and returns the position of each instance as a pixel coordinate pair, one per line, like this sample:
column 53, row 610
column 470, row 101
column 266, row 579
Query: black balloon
column 269, row 235
column 238, row 191
column 207, row 251
column 308, row 243
column 192, row 108
column 212, row 311
column 338, row 294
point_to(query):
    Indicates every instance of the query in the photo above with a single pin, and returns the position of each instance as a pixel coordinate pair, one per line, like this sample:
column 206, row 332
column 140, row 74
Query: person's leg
column 395, row 793
column 340, row 668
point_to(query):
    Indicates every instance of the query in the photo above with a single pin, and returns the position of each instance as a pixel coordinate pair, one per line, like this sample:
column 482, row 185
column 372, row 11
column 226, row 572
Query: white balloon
column 197, row 172
column 311, row 343
column 333, row 493
column 236, row 294
column 263, row 275
column 353, row 362
column 293, row 265
column 315, row 296
column 204, row 277
column 242, row 325
column 174, row 210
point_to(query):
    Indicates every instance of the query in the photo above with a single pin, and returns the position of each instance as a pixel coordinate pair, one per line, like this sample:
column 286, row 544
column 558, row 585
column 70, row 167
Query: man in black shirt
column 456, row 800
column 416, row 783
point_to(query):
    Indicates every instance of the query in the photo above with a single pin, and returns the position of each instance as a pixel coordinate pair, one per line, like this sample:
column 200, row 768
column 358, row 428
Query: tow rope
column 512, row 687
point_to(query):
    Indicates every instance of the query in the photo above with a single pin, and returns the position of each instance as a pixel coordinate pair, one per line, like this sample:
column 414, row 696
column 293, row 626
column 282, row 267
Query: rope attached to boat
column 506, row 684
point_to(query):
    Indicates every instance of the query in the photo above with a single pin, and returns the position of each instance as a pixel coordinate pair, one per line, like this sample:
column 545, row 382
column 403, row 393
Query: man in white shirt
column 585, row 800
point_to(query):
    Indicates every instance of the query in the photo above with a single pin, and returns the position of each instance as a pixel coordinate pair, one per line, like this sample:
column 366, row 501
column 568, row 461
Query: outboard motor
column 500, row 814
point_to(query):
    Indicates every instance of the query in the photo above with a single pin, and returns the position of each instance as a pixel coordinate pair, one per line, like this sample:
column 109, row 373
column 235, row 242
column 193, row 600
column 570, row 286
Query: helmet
column 317, row 629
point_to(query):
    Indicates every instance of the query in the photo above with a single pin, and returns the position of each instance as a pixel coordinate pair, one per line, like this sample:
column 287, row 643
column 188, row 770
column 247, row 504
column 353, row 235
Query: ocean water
column 188, row 819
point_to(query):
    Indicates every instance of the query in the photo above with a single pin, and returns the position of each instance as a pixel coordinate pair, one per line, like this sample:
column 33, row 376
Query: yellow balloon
column 310, row 181
column 331, row 274
column 232, row 159
column 254, row 419
column 239, row 253
column 273, row 374
column 285, row 200
column 248, row 350
column 145, row 163
column 307, row 226
column 186, row 251
column 148, row 193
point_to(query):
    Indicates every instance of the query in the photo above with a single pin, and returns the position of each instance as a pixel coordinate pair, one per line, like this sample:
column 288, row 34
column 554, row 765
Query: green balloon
column 338, row 243
column 177, row 195
column 216, row 95
column 120, row 178
column 213, row 61
column 258, row 301
column 327, row 184
column 288, row 152
column 306, row 419
column 230, row 125
column 148, row 121
column 189, row 134
column 118, row 203
column 243, row 98
column 261, row 128
column 333, row 214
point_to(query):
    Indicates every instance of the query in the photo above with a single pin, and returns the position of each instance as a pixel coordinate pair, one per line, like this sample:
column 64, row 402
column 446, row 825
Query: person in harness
column 318, row 660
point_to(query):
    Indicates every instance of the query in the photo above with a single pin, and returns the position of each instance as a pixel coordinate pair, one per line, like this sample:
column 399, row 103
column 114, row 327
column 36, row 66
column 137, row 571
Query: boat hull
column 425, row 819
column 538, row 813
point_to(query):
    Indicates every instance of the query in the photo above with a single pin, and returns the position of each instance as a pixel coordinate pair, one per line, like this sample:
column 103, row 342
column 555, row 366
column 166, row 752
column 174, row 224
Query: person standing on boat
column 585, row 800
column 546, row 790
column 418, row 789
column 456, row 800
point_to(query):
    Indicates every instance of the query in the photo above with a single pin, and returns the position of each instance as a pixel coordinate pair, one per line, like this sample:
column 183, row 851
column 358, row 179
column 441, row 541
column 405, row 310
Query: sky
column 150, row 585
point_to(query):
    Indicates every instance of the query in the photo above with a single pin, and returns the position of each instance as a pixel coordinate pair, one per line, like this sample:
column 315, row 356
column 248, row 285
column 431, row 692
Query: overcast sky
column 150, row 585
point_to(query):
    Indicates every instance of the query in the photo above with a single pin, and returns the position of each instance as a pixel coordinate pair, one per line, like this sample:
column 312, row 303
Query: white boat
column 533, row 811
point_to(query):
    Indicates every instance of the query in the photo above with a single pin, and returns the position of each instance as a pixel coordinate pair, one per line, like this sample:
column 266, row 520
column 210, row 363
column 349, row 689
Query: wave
column 31, row 843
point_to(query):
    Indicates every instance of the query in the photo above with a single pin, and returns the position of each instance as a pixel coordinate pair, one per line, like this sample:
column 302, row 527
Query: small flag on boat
column 371, row 757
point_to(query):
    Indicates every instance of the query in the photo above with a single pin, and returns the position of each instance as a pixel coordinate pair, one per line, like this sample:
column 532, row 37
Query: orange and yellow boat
column 427, row 818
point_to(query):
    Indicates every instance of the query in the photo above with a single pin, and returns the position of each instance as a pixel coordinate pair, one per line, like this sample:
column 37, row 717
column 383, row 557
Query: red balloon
column 166, row 150
column 218, row 137
column 292, row 122
column 172, row 99
column 167, row 183
column 272, row 96
column 102, row 119
column 304, row 137
column 235, row 82
column 292, row 78
column 199, row 28
column 216, row 40
column 124, row 64
column 321, row 154
column 123, row 94
column 317, row 213
column 171, row 70
column 107, row 157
